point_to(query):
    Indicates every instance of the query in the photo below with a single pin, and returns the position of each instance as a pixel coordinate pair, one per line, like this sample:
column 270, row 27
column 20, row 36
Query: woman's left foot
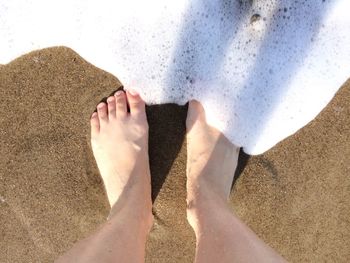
column 119, row 142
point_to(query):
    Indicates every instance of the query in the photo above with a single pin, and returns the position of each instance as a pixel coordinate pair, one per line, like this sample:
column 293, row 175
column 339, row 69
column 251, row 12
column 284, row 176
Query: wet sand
column 295, row 196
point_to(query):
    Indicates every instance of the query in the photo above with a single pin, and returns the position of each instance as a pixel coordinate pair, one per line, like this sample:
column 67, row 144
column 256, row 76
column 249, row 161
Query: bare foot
column 119, row 142
column 211, row 161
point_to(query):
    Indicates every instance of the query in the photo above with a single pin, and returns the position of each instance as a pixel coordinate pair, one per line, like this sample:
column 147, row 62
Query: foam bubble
column 262, row 69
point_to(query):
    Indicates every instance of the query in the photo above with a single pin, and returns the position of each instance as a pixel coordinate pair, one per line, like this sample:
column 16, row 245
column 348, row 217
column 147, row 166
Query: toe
column 95, row 124
column 195, row 114
column 195, row 107
column 111, row 107
column 121, row 104
column 102, row 113
column 136, row 104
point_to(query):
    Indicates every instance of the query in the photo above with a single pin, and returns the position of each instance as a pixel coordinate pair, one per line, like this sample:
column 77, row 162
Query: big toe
column 195, row 114
column 136, row 104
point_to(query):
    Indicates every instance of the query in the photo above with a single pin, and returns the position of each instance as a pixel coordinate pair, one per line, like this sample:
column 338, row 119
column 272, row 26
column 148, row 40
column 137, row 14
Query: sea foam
column 262, row 69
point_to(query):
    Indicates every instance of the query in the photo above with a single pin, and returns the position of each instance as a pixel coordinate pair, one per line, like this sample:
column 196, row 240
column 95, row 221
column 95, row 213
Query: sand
column 295, row 196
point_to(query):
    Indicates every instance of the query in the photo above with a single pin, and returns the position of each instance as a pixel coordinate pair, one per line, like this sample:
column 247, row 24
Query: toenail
column 94, row 114
column 133, row 92
column 101, row 105
column 118, row 93
column 110, row 99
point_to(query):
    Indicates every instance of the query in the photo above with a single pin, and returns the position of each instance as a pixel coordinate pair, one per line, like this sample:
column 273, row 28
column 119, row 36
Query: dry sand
column 295, row 196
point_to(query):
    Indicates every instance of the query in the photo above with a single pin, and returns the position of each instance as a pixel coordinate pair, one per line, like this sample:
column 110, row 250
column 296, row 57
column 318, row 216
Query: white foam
column 262, row 69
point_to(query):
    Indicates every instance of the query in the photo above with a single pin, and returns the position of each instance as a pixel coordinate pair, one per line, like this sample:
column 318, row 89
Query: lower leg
column 223, row 237
column 121, row 239
column 120, row 145
column 211, row 163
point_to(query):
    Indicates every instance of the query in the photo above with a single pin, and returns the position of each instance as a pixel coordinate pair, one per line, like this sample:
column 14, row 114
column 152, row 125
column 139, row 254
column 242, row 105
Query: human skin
column 119, row 142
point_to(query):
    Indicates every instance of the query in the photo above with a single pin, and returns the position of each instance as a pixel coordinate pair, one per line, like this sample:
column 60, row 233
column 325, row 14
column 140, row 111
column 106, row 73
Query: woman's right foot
column 211, row 163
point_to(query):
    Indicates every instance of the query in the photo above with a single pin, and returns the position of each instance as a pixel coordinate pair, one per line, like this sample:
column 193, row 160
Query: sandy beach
column 295, row 196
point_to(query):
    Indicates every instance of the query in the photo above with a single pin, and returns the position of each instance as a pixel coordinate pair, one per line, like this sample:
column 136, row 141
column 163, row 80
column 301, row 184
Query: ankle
column 203, row 208
column 136, row 214
column 201, row 192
